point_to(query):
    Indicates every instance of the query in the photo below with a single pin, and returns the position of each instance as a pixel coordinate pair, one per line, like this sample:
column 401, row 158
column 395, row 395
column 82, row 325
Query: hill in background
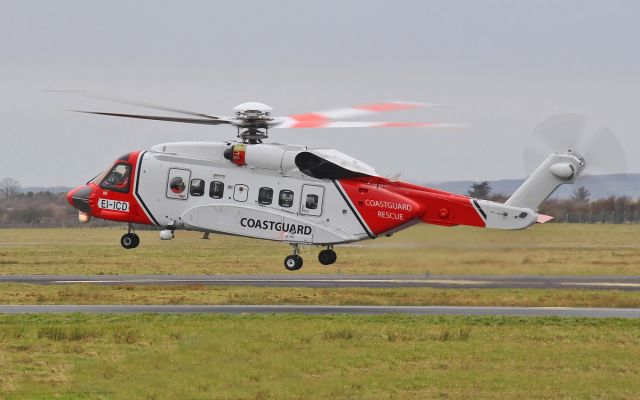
column 600, row 186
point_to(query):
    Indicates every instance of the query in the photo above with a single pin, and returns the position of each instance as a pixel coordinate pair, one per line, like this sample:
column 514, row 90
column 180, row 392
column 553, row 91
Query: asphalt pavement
column 324, row 310
column 343, row 281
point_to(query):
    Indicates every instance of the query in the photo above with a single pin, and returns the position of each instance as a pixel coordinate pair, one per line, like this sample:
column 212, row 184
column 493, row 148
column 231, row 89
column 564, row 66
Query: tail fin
column 556, row 170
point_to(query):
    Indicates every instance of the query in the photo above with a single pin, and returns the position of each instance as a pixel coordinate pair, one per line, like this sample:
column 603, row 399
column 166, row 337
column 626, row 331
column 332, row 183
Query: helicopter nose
column 79, row 198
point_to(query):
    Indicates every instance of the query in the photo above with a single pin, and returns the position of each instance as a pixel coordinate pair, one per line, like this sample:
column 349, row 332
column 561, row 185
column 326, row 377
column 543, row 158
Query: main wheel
column 293, row 262
column 129, row 240
column 327, row 257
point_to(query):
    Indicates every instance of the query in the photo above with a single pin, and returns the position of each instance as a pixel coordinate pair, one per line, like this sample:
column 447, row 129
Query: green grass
column 550, row 249
column 197, row 294
column 295, row 357
column 147, row 356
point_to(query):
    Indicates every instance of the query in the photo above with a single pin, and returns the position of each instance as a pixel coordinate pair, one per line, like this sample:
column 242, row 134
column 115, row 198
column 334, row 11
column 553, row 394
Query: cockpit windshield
column 98, row 178
column 117, row 179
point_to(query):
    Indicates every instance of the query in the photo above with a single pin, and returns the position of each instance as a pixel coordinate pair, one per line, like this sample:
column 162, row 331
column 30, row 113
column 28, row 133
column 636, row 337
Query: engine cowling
column 318, row 163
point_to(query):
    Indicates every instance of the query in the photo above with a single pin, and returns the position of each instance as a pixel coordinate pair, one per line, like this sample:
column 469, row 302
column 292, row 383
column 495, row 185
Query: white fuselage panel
column 302, row 209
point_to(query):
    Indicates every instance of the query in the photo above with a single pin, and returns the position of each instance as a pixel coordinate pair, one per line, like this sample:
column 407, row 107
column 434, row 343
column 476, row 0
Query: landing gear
column 130, row 240
column 294, row 261
column 327, row 256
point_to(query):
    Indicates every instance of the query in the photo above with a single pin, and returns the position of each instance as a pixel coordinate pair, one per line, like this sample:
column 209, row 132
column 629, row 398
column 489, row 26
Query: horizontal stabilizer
column 543, row 218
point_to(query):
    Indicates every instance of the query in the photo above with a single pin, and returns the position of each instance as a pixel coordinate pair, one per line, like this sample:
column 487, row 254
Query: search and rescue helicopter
column 291, row 193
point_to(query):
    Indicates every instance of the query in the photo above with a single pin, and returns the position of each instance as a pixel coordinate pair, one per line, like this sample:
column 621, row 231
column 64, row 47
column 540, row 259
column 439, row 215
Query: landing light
column 83, row 217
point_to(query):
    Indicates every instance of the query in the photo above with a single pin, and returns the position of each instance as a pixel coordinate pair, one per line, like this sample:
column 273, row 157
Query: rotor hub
column 253, row 120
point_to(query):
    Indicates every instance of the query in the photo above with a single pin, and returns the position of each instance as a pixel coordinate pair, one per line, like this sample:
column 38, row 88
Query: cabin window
column 118, row 179
column 311, row 202
column 286, row 198
column 197, row 187
column 265, row 196
column 216, row 189
column 177, row 185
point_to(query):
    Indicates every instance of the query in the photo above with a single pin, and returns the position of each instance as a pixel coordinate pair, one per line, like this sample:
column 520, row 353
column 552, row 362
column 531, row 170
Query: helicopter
column 291, row 193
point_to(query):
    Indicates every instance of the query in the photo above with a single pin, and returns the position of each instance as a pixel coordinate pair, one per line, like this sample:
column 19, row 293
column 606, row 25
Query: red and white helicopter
column 290, row 193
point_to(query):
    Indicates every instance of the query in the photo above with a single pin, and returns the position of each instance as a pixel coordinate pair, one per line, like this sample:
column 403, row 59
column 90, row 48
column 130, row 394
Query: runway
column 325, row 310
column 343, row 281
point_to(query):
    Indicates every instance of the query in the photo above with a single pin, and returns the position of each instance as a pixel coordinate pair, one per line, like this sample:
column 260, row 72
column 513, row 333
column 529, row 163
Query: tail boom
column 385, row 206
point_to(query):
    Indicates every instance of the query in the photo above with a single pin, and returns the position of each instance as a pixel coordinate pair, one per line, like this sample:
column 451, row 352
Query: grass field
column 551, row 249
column 341, row 357
column 296, row 357
column 196, row 294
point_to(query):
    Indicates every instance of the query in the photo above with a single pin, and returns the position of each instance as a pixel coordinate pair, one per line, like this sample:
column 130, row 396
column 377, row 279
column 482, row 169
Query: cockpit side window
column 118, row 179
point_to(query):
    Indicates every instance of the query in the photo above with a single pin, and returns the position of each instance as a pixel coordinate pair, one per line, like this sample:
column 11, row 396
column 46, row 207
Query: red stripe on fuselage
column 385, row 205
column 380, row 209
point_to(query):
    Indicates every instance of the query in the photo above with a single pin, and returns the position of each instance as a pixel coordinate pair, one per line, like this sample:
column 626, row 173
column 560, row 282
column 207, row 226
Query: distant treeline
column 576, row 209
column 46, row 209
column 41, row 209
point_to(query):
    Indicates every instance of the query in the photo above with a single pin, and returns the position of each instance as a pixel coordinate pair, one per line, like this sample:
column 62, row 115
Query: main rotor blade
column 90, row 95
column 358, row 111
column 161, row 118
column 363, row 124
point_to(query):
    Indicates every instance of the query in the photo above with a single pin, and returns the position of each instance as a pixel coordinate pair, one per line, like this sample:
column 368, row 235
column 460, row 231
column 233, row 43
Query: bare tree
column 9, row 187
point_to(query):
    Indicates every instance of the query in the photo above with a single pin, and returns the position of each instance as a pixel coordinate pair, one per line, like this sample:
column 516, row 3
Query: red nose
column 79, row 198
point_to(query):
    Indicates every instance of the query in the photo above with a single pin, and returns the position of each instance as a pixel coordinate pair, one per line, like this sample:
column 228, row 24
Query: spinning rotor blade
column 362, row 124
column 358, row 111
column 605, row 153
column 600, row 148
column 254, row 119
column 135, row 103
column 161, row 118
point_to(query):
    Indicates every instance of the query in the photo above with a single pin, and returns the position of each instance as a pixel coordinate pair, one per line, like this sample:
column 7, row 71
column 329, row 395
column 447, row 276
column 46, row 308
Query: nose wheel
column 130, row 240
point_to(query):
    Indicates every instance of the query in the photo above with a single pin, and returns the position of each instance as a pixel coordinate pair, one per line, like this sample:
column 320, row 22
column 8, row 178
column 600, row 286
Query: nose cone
column 79, row 198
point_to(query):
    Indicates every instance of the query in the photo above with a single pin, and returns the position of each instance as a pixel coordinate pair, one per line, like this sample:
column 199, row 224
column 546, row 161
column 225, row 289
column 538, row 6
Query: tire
column 128, row 241
column 334, row 256
column 136, row 240
column 293, row 262
column 327, row 257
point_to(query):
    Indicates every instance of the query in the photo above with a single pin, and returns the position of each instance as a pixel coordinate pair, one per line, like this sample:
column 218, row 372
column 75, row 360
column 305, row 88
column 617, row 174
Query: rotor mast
column 253, row 120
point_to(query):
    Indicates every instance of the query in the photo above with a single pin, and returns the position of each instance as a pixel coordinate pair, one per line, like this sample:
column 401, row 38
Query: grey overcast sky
column 502, row 66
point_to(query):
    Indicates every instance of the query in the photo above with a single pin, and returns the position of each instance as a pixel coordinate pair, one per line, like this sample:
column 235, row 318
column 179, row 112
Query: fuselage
column 275, row 192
